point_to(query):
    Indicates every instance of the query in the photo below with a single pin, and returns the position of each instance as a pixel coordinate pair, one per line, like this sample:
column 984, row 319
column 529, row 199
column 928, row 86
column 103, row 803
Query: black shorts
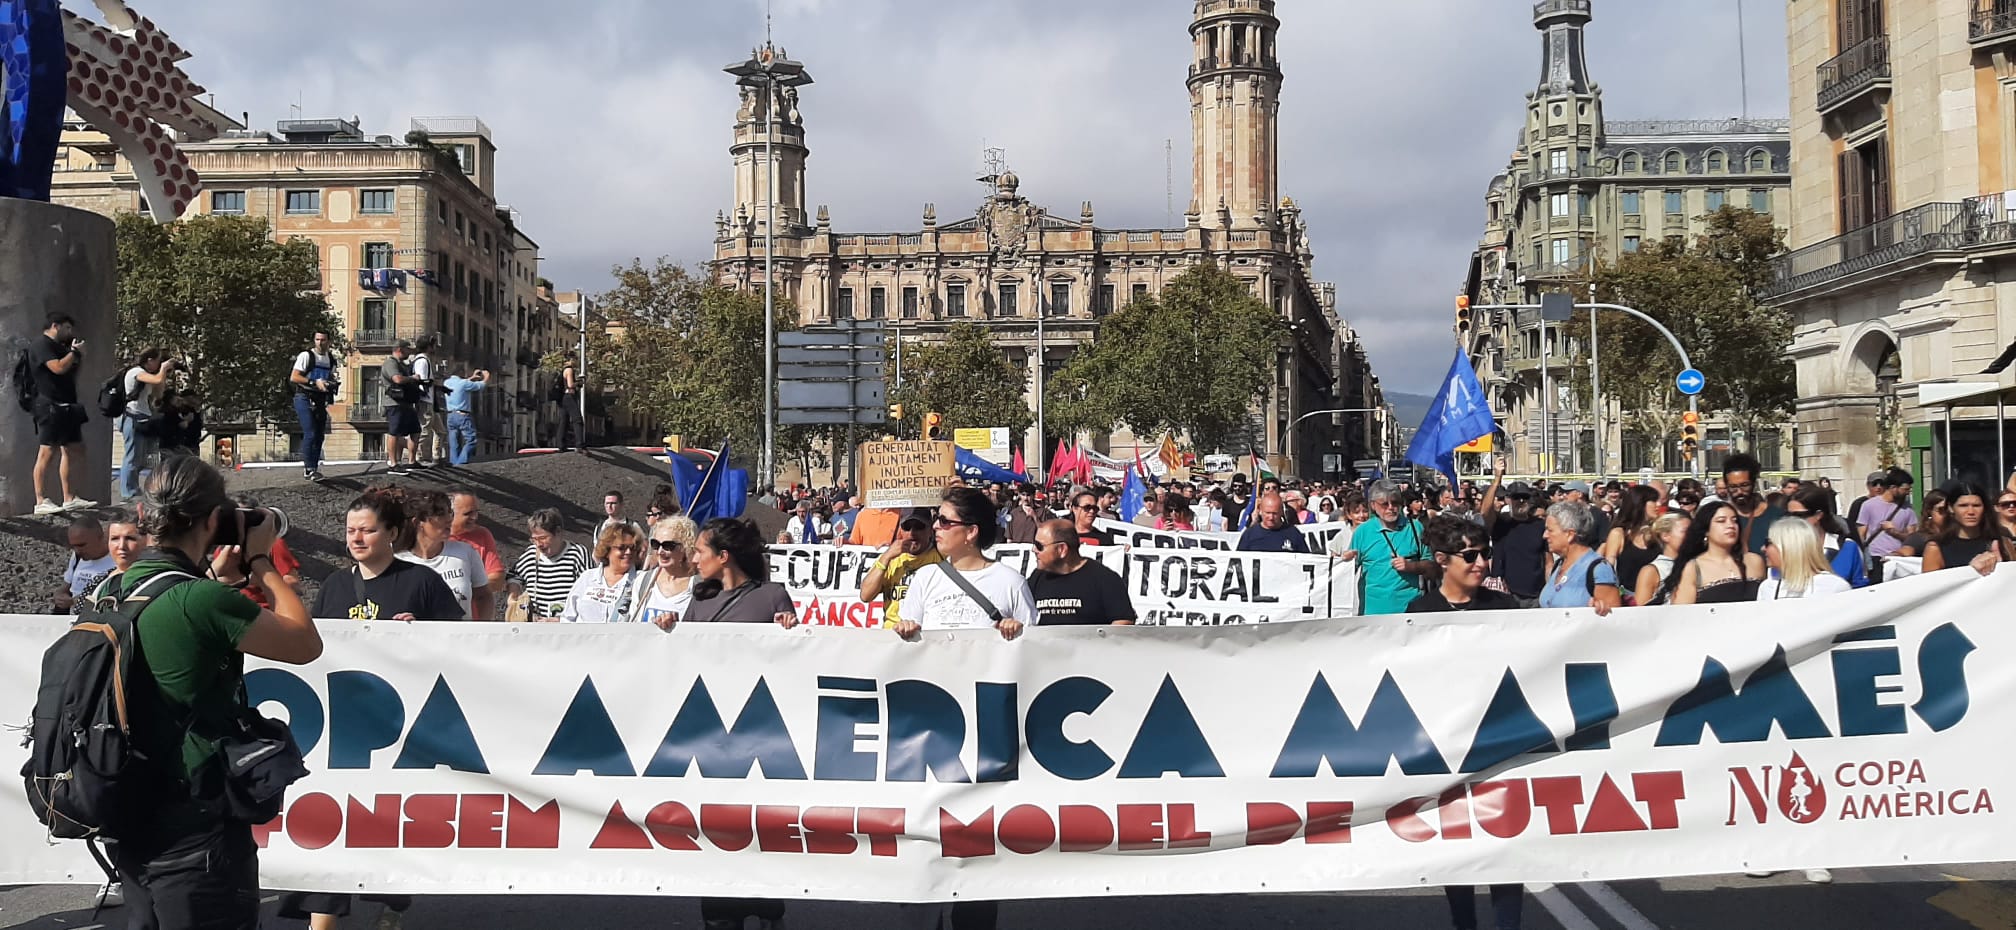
column 207, row 879
column 59, row 424
column 402, row 420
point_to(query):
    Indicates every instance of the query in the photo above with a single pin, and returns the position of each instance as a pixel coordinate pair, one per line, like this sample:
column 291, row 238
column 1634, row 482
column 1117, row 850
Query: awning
column 1964, row 393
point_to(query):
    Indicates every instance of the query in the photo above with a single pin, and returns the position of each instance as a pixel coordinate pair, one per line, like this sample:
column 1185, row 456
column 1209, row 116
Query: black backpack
column 112, row 397
column 86, row 775
column 24, row 381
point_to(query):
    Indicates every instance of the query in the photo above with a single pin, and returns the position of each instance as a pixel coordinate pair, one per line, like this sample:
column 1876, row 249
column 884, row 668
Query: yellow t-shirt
column 896, row 582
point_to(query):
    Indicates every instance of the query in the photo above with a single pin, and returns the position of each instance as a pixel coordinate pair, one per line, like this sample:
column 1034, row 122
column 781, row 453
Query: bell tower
column 1235, row 101
column 769, row 112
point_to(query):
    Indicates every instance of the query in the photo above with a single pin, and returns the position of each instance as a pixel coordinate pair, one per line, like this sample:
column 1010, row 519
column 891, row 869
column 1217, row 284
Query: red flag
column 1083, row 475
column 1017, row 466
column 1062, row 462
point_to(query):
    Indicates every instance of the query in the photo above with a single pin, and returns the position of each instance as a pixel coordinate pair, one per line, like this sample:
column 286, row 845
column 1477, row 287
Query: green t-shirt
column 189, row 637
column 1382, row 590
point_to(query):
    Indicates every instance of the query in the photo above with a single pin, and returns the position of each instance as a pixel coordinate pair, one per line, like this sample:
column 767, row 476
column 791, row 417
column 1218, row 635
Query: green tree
column 1193, row 360
column 1706, row 292
column 967, row 379
column 688, row 351
column 218, row 292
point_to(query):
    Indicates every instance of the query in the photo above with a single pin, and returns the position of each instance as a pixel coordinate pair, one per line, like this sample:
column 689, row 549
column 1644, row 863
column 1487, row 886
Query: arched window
column 1716, row 162
column 1760, row 162
column 1630, row 162
column 1675, row 164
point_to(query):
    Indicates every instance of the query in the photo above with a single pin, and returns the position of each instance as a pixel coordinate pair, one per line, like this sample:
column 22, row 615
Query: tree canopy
column 966, row 378
column 220, row 293
column 1193, row 359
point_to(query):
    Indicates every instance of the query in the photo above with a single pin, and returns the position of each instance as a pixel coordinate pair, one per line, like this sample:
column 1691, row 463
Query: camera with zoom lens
column 236, row 526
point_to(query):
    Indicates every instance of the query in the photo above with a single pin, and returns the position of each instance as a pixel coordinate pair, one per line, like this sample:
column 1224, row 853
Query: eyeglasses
column 941, row 522
column 1087, row 508
column 1469, row 556
column 665, row 545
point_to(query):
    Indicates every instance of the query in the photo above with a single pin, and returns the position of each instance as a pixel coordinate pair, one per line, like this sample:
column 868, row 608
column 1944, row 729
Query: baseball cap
column 1877, row 478
column 1581, row 486
column 913, row 520
column 1518, row 489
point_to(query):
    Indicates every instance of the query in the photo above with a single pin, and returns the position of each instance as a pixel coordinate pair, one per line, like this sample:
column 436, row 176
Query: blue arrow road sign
column 1691, row 382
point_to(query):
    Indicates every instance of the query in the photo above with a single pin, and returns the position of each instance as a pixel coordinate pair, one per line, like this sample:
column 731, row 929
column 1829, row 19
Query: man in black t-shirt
column 1071, row 590
column 1518, row 540
column 53, row 363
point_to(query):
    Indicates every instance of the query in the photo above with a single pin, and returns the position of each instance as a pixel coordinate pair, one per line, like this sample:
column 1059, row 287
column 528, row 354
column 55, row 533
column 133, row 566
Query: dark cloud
column 613, row 117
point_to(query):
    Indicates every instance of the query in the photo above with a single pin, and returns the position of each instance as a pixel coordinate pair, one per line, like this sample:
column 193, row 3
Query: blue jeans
column 139, row 450
column 461, row 437
column 314, row 429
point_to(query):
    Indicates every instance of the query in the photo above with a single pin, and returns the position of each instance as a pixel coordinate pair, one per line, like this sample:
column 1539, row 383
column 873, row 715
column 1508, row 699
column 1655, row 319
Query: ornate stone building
column 1011, row 261
column 1580, row 190
column 1902, row 278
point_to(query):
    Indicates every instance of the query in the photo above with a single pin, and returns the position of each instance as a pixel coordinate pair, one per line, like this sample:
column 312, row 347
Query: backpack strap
column 993, row 612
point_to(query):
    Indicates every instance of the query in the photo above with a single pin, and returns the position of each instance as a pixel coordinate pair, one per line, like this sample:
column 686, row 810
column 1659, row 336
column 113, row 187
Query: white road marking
column 1614, row 904
column 1565, row 912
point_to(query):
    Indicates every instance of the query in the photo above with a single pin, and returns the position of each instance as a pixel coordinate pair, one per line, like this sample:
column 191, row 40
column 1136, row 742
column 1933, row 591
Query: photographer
column 54, row 361
column 143, row 384
column 402, row 415
column 195, row 866
column 462, row 414
column 314, row 380
column 433, row 440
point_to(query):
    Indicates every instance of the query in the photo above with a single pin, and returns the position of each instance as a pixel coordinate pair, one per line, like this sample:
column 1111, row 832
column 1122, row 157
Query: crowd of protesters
column 423, row 555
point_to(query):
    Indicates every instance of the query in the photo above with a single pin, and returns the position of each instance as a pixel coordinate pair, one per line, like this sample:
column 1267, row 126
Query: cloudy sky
column 613, row 118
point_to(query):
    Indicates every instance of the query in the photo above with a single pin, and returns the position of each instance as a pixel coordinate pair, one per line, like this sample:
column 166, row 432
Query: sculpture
column 121, row 77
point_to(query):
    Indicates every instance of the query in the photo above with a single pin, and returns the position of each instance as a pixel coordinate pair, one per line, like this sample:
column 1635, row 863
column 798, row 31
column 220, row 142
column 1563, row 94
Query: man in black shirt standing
column 1072, row 590
column 59, row 418
column 1518, row 534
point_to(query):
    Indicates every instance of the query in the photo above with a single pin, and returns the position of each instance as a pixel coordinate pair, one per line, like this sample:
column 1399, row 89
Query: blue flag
column 970, row 465
column 1459, row 416
column 720, row 491
column 1133, row 495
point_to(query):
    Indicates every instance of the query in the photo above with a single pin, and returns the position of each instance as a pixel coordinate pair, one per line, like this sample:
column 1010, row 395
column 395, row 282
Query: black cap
column 917, row 518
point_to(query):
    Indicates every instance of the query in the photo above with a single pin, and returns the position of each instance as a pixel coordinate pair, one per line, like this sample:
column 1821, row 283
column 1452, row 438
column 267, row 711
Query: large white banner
column 1865, row 729
column 1318, row 535
column 1169, row 587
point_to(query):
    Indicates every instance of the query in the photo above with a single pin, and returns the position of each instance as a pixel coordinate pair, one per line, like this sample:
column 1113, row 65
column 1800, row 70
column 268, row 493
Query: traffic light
column 1690, row 434
column 896, row 412
column 1462, row 314
column 934, row 426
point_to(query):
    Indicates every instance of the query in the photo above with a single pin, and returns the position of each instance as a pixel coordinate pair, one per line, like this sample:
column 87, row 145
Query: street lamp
column 769, row 71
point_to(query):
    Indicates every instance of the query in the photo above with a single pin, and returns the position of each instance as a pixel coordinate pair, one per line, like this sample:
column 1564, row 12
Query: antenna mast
column 1169, row 181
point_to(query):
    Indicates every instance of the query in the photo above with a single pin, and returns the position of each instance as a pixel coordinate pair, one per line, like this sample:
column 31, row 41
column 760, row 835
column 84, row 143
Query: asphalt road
column 1982, row 897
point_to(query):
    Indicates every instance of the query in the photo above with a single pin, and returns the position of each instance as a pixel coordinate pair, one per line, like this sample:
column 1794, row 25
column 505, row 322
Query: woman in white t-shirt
column 663, row 590
column 965, row 528
column 1798, row 565
column 428, row 541
column 600, row 595
column 143, row 387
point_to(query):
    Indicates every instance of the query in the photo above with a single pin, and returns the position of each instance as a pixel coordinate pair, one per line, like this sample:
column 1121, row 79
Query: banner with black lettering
column 1169, row 587
column 1861, row 729
column 1318, row 535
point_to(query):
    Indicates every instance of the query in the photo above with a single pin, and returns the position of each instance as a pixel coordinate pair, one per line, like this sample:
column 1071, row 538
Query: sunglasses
column 941, row 522
column 1469, row 556
column 2005, row 504
column 665, row 545
column 1085, row 507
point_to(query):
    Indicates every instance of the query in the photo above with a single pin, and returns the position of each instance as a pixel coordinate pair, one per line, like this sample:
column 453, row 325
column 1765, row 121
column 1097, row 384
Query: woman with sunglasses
column 2005, row 510
column 599, row 595
column 1937, row 517
column 1798, row 565
column 1462, row 550
column 1974, row 537
column 663, row 590
column 936, row 601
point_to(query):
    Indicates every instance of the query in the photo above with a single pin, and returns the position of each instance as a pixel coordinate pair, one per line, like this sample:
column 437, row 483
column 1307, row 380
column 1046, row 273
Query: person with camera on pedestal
column 53, row 364
column 314, row 380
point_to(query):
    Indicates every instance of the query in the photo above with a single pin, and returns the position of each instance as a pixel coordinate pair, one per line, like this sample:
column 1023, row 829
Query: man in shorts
column 402, row 412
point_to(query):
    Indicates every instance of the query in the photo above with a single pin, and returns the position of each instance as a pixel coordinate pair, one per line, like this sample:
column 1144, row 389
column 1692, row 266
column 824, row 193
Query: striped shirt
column 548, row 581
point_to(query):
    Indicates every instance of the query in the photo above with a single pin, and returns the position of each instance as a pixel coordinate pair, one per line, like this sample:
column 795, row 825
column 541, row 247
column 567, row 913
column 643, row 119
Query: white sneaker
column 111, row 894
column 78, row 503
column 1819, row 876
column 45, row 507
column 1759, row 874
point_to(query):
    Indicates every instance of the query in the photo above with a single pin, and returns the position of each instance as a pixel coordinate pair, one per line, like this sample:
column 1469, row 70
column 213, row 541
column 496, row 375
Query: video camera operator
column 315, row 384
column 194, row 864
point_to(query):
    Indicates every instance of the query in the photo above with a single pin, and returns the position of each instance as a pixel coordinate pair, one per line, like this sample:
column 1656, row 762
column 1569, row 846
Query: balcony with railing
column 1575, row 267
column 1932, row 227
column 384, row 340
column 1863, row 68
column 1993, row 25
column 1547, row 8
